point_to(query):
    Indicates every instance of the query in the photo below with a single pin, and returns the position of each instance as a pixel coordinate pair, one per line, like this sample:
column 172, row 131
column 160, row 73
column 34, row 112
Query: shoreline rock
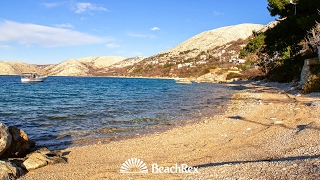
column 14, row 146
column 5, row 138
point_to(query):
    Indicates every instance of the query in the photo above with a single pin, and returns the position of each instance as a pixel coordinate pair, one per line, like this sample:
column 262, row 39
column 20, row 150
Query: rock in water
column 5, row 138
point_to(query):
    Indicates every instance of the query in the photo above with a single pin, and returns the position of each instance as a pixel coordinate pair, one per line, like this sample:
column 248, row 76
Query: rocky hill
column 198, row 55
column 73, row 67
column 16, row 68
column 216, row 37
column 192, row 58
column 84, row 66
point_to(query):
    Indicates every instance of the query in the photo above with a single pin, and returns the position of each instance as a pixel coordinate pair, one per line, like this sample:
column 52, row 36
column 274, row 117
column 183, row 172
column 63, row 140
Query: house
column 241, row 61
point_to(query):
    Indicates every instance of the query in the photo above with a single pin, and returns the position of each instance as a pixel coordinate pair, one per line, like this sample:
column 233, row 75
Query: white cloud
column 216, row 13
column 67, row 25
column 141, row 35
column 34, row 34
column 112, row 45
column 155, row 29
column 85, row 7
column 6, row 47
column 50, row 5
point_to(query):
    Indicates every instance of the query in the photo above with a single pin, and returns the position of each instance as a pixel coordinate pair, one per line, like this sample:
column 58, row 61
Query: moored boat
column 32, row 77
column 183, row 81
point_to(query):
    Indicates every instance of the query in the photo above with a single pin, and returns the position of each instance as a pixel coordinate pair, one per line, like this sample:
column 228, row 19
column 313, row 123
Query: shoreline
column 266, row 132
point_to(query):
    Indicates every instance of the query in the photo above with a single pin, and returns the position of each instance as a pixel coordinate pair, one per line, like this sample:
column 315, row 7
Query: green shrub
column 233, row 75
column 315, row 69
column 137, row 70
column 243, row 67
column 286, row 71
column 168, row 65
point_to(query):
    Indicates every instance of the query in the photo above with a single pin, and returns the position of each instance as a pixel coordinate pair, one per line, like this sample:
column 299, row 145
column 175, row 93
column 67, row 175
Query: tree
column 295, row 20
column 314, row 39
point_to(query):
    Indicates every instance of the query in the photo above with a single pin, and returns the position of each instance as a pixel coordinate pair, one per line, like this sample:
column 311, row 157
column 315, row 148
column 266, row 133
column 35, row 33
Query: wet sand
column 267, row 132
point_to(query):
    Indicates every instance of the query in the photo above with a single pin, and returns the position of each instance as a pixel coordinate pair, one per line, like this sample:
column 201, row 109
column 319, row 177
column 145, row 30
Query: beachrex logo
column 182, row 168
column 135, row 165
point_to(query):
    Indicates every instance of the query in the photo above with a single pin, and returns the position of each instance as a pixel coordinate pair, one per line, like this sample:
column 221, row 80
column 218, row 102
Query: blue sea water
column 68, row 111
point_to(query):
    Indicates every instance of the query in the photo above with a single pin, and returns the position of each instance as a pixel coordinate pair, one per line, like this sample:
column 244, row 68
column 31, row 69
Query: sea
column 74, row 111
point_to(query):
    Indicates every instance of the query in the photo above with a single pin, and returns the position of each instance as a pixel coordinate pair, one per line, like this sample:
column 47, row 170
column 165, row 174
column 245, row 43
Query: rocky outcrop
column 213, row 77
column 219, row 76
column 10, row 171
column 5, row 138
column 42, row 158
column 20, row 143
column 14, row 144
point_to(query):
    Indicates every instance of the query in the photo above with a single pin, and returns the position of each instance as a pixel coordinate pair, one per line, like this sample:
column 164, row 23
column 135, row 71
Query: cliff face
column 191, row 58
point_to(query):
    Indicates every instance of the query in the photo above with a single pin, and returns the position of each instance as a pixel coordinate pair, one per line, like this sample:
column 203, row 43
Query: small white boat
column 32, row 77
column 183, row 81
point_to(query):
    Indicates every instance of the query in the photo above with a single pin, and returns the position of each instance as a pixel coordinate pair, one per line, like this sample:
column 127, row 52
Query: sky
column 52, row 31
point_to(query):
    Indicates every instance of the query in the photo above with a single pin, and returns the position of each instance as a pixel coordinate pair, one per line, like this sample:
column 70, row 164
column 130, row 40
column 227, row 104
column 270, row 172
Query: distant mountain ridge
column 206, row 43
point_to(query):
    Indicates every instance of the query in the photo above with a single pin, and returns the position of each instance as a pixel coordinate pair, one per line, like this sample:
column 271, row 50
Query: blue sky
column 51, row 31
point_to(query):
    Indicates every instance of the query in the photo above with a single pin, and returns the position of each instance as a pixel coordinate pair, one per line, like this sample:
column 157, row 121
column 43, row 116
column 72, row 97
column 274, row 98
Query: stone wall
column 306, row 73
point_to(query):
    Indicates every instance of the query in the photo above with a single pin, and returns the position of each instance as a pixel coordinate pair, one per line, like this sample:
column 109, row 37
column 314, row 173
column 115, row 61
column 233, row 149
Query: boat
column 183, row 81
column 32, row 77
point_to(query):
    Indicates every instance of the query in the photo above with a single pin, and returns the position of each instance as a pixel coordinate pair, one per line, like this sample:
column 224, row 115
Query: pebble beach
column 267, row 131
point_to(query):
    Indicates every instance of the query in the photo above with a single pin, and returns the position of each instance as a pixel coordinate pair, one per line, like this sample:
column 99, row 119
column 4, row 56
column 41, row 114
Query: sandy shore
column 265, row 133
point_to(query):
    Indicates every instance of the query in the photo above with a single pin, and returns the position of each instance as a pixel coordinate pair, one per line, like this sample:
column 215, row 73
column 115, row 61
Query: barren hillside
column 16, row 68
column 216, row 37
column 198, row 55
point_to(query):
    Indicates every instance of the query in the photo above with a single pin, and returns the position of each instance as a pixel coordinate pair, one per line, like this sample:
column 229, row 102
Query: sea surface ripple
column 67, row 111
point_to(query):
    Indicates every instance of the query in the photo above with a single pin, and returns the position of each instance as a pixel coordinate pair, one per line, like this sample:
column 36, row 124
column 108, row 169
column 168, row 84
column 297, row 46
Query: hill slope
column 198, row 55
column 216, row 37
column 192, row 58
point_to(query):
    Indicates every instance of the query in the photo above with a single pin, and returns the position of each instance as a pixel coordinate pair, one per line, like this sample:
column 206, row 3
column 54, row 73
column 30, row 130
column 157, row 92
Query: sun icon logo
column 134, row 165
